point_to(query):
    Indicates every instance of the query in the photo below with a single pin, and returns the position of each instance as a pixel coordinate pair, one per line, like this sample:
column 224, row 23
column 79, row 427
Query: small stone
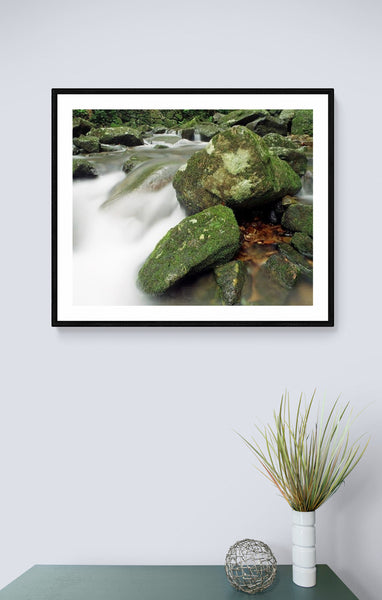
column 303, row 243
column 282, row 270
column 295, row 257
column 230, row 279
column 299, row 217
column 84, row 169
column 87, row 143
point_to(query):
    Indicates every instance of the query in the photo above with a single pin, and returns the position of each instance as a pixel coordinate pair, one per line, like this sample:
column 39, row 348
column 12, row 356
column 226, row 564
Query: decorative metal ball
column 250, row 566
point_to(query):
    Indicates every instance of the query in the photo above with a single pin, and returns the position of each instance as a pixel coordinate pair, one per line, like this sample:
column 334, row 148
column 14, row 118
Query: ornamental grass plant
column 307, row 460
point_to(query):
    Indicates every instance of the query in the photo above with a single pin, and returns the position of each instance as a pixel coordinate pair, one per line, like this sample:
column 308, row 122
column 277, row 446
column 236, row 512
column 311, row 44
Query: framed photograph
column 192, row 207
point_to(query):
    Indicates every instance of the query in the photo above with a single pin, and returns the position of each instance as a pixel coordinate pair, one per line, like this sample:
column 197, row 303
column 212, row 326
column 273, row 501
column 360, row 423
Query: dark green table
column 160, row 583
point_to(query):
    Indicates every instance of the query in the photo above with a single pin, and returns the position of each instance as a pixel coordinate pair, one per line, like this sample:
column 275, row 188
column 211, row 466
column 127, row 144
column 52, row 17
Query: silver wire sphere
column 250, row 566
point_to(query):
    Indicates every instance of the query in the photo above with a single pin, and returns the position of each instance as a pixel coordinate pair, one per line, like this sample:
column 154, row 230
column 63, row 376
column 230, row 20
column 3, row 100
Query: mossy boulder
column 188, row 133
column 298, row 217
column 276, row 140
column 81, row 126
column 230, row 279
column 286, row 116
column 284, row 272
column 84, row 169
column 196, row 244
column 235, row 169
column 118, row 135
column 286, row 150
column 88, row 143
column 268, row 124
column 302, row 122
column 296, row 258
column 303, row 243
column 295, row 158
column 241, row 117
column 207, row 130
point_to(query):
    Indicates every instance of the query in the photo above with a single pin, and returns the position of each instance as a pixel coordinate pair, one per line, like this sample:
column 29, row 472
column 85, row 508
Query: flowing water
column 118, row 219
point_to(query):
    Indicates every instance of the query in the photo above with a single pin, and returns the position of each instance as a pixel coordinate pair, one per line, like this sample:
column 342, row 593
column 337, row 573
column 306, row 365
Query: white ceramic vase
column 304, row 548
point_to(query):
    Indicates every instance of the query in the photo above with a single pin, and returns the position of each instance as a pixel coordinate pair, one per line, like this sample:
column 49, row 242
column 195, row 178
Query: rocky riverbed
column 213, row 209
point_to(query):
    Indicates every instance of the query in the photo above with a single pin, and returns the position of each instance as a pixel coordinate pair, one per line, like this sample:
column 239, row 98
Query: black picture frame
column 324, row 95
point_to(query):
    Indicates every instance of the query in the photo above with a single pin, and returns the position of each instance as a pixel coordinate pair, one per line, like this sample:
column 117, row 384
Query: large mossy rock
column 197, row 243
column 230, row 279
column 118, row 135
column 302, row 122
column 84, row 169
column 87, row 143
column 298, row 217
column 235, row 169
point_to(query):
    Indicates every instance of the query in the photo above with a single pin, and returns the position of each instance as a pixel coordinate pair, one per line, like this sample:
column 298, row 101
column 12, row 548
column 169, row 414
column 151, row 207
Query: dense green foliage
column 138, row 118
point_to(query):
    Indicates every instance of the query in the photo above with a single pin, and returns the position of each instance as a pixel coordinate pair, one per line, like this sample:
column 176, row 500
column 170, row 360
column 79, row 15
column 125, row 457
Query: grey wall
column 117, row 446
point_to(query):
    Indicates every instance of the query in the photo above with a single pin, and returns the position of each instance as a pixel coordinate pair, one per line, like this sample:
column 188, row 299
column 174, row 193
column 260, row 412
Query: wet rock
column 81, row 126
column 118, row 135
column 296, row 258
column 235, row 169
column 270, row 291
column 287, row 115
column 286, row 150
column 130, row 163
column 197, row 243
column 217, row 117
column 284, row 272
column 188, row 133
column 87, row 143
column 302, row 122
column 278, row 141
column 298, row 217
column 207, row 131
column 109, row 148
column 303, row 243
column 84, row 169
column 268, row 124
column 295, row 159
column 230, row 279
column 241, row 117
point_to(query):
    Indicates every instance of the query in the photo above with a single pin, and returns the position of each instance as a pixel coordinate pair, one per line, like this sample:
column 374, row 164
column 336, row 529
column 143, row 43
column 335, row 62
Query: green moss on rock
column 235, row 169
column 268, row 124
column 303, row 243
column 230, row 279
column 302, row 122
column 118, row 135
column 88, row 143
column 296, row 258
column 298, row 217
column 84, row 169
column 282, row 271
column 81, row 126
column 295, row 158
column 241, row 117
column 197, row 243
column 279, row 141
